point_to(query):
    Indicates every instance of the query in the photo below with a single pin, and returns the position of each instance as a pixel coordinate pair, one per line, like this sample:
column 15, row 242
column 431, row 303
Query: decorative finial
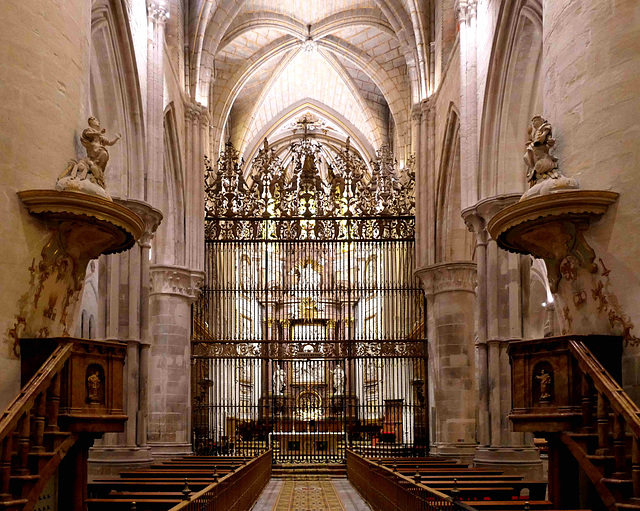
column 455, row 491
column 186, row 491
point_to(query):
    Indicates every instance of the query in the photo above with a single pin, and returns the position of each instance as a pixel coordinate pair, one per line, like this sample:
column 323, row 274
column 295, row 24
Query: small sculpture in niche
column 338, row 381
column 543, row 174
column 543, row 383
column 278, row 380
column 87, row 174
column 95, row 384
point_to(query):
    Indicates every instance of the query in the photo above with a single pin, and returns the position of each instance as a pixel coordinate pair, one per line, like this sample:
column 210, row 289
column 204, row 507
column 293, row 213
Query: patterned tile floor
column 310, row 494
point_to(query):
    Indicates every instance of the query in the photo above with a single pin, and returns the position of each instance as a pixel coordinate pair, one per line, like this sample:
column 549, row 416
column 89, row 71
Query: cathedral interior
column 320, row 255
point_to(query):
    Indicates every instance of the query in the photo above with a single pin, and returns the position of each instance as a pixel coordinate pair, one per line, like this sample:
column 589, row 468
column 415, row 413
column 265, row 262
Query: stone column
column 173, row 290
column 196, row 136
column 498, row 321
column 425, row 186
column 128, row 277
column 450, row 291
column 157, row 18
column 466, row 11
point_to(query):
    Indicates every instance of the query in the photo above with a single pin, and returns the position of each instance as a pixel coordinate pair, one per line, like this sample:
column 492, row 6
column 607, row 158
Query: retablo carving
column 88, row 174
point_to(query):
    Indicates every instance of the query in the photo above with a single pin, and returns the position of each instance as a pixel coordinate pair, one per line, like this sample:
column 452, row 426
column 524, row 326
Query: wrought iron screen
column 309, row 335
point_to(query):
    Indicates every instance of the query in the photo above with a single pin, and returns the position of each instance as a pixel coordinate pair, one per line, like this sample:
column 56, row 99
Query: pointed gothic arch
column 512, row 97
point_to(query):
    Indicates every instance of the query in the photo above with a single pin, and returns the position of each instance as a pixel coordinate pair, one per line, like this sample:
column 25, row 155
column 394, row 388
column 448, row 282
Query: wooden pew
column 172, row 474
column 426, row 476
column 124, row 504
column 483, row 493
column 99, row 489
column 508, row 505
column 537, row 489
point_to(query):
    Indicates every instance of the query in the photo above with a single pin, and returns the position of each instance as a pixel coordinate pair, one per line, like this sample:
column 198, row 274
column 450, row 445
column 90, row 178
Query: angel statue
column 541, row 165
column 87, row 174
column 542, row 168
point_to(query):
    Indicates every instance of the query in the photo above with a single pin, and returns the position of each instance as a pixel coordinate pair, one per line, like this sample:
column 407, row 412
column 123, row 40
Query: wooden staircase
column 592, row 426
column 48, row 423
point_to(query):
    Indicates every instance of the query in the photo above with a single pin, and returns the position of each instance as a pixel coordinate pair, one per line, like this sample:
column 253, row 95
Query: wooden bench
column 463, row 477
column 172, row 474
column 499, row 505
column 537, row 489
column 124, row 504
column 482, row 493
column 104, row 488
column 452, row 472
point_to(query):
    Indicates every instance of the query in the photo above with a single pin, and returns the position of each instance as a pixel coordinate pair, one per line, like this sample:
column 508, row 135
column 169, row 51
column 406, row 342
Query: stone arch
column 218, row 20
column 170, row 238
column 512, row 97
column 359, row 141
column 452, row 239
column 365, row 127
column 398, row 105
column 115, row 97
column 89, row 300
column 351, row 18
column 539, row 308
column 254, row 20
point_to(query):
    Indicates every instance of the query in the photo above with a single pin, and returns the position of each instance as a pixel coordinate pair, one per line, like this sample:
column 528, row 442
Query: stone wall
column 42, row 112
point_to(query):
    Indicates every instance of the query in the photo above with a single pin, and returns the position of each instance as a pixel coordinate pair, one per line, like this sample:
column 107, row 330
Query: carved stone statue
column 338, row 381
column 87, row 174
column 545, row 384
column 278, row 381
column 542, row 168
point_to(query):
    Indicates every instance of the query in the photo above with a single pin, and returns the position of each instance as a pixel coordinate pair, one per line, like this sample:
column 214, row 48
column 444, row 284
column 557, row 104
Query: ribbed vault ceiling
column 253, row 61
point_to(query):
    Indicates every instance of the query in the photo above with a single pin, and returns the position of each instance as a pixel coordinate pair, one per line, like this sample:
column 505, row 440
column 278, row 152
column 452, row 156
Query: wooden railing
column 31, row 415
column 54, row 413
column 386, row 490
column 610, row 402
column 237, row 491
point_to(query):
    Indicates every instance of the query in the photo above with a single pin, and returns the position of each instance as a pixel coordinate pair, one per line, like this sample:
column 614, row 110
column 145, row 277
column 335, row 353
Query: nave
column 238, row 483
column 310, row 494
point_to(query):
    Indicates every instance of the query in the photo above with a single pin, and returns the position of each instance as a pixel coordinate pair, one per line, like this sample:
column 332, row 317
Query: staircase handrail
column 40, row 381
column 603, row 382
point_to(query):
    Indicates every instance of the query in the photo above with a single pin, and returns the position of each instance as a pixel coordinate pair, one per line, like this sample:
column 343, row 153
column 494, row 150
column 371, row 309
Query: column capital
column 157, row 11
column 477, row 216
column 466, row 9
column 425, row 107
column 151, row 217
column 196, row 112
column 176, row 280
column 448, row 277
column 416, row 113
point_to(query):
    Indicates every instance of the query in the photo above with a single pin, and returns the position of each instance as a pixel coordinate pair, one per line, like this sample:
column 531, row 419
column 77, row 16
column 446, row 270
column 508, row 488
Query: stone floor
column 312, row 494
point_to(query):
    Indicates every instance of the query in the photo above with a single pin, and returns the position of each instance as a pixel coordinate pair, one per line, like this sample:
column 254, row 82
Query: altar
column 303, row 443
